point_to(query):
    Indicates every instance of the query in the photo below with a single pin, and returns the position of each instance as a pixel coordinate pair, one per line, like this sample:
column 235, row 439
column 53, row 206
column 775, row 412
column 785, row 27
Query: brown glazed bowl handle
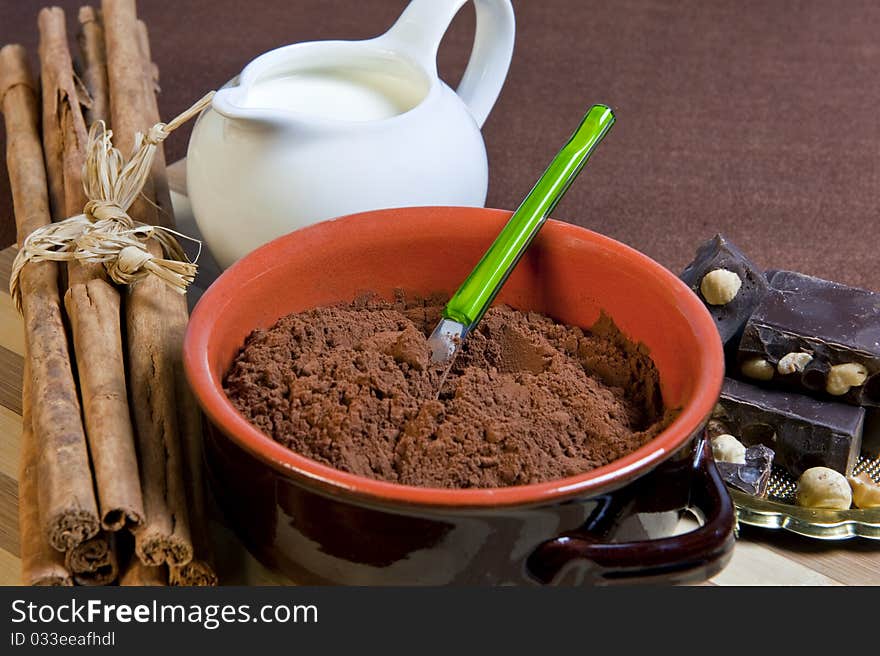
column 690, row 557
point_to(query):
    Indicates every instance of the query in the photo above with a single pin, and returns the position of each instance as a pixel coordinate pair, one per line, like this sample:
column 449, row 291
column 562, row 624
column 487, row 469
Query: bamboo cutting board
column 761, row 557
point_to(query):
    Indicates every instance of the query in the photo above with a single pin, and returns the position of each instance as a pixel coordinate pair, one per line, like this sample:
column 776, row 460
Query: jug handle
column 422, row 25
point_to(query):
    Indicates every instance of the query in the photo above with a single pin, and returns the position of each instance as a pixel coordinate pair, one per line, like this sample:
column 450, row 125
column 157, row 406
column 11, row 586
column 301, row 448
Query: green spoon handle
column 476, row 293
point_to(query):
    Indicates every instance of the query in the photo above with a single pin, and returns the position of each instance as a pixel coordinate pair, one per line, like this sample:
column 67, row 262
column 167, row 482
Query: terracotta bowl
column 317, row 524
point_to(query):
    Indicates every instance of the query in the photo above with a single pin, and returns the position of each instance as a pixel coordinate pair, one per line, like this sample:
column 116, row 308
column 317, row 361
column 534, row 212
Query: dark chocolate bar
column 730, row 317
column 803, row 431
column 753, row 477
column 815, row 335
column 871, row 434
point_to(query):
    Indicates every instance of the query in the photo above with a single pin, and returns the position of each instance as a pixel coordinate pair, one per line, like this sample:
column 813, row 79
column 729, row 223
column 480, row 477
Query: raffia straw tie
column 105, row 233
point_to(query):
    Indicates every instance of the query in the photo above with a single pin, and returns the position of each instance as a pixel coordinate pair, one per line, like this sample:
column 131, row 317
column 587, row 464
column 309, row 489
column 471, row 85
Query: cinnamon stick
column 92, row 303
column 94, row 57
column 64, row 130
column 93, row 562
column 40, row 563
column 139, row 574
column 152, row 312
column 200, row 571
column 69, row 512
column 158, row 172
column 151, row 69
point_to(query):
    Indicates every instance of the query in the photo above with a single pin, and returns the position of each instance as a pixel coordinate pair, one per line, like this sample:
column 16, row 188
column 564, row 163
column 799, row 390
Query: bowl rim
column 209, row 393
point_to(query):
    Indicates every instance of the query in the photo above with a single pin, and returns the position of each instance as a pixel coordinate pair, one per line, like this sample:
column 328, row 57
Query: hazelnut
column 865, row 492
column 793, row 363
column 821, row 487
column 757, row 368
column 720, row 286
column 726, row 448
column 841, row 377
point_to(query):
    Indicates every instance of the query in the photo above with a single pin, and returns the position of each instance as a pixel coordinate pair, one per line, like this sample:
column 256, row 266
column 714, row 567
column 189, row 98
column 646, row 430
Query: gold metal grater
column 779, row 510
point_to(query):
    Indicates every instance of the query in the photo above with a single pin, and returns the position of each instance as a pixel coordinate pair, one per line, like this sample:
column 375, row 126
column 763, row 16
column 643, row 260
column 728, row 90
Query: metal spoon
column 468, row 305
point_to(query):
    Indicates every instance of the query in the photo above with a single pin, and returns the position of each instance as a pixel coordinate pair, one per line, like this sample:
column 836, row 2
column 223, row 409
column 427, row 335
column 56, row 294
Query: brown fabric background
column 759, row 119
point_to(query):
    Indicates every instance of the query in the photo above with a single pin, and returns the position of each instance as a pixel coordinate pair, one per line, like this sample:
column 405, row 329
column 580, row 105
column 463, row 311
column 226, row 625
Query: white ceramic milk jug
column 318, row 130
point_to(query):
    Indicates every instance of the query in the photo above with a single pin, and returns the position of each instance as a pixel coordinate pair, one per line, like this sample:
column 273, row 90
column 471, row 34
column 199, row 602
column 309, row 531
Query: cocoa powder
column 526, row 400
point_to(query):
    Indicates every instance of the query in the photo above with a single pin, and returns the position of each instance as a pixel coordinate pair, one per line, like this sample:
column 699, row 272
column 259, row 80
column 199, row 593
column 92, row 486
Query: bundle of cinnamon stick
column 112, row 438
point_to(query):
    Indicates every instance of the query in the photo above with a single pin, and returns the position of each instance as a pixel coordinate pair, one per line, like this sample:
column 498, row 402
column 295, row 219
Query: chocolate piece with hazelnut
column 728, row 283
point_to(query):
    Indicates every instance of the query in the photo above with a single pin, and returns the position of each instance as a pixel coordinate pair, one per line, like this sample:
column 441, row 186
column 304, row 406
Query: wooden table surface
column 761, row 557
